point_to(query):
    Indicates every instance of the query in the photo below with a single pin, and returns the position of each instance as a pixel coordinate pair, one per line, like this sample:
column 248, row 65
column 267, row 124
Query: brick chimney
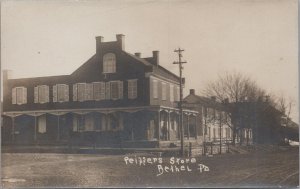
column 213, row 98
column 226, row 101
column 7, row 74
column 99, row 40
column 155, row 57
column 192, row 91
column 121, row 41
column 267, row 98
column 138, row 54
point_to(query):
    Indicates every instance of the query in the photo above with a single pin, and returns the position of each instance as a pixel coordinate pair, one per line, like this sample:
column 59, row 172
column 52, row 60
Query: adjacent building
column 214, row 120
column 114, row 99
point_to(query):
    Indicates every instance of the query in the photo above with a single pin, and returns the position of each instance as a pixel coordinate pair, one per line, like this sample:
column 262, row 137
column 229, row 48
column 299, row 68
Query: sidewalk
column 85, row 150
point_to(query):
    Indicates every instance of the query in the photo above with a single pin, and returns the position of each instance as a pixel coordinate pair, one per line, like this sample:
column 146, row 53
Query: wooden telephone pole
column 179, row 51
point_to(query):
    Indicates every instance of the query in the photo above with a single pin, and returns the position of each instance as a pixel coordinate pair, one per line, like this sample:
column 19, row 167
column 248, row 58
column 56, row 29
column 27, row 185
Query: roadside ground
column 273, row 169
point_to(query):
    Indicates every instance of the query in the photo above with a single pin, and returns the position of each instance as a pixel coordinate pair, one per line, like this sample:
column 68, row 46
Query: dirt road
column 89, row 170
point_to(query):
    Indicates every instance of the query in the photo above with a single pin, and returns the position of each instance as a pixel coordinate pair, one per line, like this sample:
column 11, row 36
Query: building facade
column 114, row 99
column 214, row 120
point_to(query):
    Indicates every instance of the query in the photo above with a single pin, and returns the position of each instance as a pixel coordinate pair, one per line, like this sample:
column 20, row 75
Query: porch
column 152, row 126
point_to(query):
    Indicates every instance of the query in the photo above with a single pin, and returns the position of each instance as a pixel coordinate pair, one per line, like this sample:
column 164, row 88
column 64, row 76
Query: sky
column 258, row 38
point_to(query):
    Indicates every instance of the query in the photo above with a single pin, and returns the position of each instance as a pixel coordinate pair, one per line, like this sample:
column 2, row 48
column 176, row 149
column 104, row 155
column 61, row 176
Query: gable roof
column 204, row 101
column 157, row 69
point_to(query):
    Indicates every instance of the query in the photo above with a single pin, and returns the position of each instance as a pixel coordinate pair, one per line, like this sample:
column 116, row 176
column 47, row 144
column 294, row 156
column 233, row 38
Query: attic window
column 109, row 63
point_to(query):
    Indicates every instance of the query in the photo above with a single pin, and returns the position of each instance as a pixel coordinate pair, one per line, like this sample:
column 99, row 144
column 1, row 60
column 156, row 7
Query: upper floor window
column 155, row 88
column 98, row 91
column 109, row 63
column 41, row 94
column 61, row 93
column 132, row 88
column 19, row 95
column 211, row 112
column 164, row 91
column 116, row 90
column 79, row 92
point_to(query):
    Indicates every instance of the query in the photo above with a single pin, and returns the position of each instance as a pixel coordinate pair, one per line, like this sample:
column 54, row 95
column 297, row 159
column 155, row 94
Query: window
column 171, row 93
column 109, row 63
column 42, row 128
column 61, row 93
column 82, row 92
column 211, row 113
column 41, row 94
column 155, row 88
column 19, row 95
column 99, row 90
column 132, row 89
column 78, row 123
column 114, row 90
column 214, row 133
column 89, row 123
column 164, row 91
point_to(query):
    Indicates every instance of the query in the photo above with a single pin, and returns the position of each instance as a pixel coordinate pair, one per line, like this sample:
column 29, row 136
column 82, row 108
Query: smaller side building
column 214, row 120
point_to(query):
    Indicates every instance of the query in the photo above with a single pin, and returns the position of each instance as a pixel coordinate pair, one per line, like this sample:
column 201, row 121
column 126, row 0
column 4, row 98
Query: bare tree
column 285, row 106
column 233, row 89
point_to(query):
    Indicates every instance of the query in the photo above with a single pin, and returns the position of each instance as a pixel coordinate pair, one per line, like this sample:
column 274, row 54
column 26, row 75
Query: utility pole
column 179, row 51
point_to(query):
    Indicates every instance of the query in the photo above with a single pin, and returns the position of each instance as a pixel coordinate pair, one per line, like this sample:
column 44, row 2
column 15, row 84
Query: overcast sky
column 255, row 37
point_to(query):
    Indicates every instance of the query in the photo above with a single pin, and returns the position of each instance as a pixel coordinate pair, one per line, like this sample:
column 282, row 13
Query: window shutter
column 171, row 93
column 155, row 88
column 107, row 90
column 120, row 89
column 36, row 94
column 102, row 90
column 164, row 91
column 14, row 94
column 89, row 91
column 96, row 90
column 129, row 91
column 47, row 94
column 74, row 92
column 66, row 93
column 24, row 95
column 54, row 93
column 99, row 91
column 135, row 91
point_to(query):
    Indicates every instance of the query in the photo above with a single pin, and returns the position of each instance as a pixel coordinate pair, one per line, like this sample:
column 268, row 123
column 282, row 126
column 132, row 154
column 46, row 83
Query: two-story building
column 214, row 120
column 212, row 117
column 114, row 99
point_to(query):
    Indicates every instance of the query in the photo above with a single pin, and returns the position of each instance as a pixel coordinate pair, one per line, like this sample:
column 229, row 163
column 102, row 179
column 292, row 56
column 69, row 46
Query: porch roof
column 99, row 110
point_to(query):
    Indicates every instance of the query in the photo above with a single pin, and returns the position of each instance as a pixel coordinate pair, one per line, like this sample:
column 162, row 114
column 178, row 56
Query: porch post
column 158, row 126
column 13, row 128
column 35, row 128
column 196, row 126
column 169, row 125
column 58, row 127
column 188, row 127
column 132, row 125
